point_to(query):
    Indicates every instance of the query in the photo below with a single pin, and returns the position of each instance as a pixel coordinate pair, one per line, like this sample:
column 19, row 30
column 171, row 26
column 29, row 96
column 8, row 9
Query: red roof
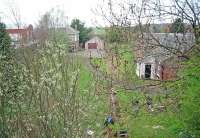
column 20, row 31
column 16, row 31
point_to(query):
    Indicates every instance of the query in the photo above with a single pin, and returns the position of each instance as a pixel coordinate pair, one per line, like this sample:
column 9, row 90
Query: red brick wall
column 168, row 73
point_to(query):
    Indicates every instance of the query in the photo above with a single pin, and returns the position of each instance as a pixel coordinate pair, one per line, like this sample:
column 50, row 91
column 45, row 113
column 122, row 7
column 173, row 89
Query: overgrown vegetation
column 46, row 93
column 175, row 107
column 10, row 86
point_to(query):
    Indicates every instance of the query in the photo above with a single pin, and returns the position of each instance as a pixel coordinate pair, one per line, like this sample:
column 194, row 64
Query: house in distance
column 73, row 36
column 21, row 36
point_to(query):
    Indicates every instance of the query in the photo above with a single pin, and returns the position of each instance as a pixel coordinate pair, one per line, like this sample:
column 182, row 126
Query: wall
column 162, row 72
column 140, row 69
column 168, row 73
column 169, row 68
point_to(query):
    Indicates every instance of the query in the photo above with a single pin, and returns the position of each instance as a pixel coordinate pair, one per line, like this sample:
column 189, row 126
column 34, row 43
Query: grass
column 58, row 96
column 92, row 104
column 97, row 106
column 100, row 63
column 85, row 78
column 145, row 124
column 124, row 60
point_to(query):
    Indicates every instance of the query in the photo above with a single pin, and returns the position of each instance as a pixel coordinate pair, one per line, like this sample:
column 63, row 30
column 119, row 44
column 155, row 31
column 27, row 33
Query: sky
column 31, row 10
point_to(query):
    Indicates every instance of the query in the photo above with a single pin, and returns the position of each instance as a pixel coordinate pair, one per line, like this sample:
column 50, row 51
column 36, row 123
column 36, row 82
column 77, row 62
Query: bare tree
column 13, row 13
column 145, row 12
column 52, row 23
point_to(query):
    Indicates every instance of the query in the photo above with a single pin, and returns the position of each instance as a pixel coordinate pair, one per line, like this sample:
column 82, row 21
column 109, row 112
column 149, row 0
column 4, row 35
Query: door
column 92, row 45
column 147, row 71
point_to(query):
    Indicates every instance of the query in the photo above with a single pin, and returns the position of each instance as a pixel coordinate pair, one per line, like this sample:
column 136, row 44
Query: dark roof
column 162, row 45
column 181, row 42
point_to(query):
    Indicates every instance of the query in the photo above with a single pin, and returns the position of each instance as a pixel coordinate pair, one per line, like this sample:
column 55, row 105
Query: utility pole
column 1, row 16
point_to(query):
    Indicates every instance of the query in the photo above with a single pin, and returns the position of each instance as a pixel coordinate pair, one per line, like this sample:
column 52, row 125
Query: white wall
column 140, row 69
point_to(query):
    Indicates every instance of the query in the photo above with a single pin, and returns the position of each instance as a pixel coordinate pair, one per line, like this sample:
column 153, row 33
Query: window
column 147, row 71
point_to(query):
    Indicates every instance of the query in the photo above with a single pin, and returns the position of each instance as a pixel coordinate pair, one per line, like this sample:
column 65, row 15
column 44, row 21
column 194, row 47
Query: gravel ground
column 91, row 53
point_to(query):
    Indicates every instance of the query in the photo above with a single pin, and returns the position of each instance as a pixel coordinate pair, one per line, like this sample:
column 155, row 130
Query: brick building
column 21, row 36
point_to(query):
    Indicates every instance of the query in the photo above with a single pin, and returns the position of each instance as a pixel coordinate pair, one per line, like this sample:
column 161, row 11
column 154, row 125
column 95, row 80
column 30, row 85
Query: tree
column 118, row 34
column 149, row 11
column 177, row 26
column 9, row 85
column 83, row 31
column 51, row 28
column 113, row 34
column 4, row 40
column 184, row 11
column 13, row 13
column 187, row 11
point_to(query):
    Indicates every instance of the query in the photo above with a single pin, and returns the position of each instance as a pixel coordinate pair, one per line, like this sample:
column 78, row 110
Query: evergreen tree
column 83, row 31
column 177, row 26
column 9, row 81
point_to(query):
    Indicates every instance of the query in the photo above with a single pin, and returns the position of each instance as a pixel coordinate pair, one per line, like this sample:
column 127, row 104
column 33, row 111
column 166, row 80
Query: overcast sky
column 31, row 10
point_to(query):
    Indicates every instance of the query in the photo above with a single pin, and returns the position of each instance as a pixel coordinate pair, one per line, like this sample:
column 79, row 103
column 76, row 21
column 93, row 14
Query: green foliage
column 83, row 31
column 51, row 28
column 55, row 97
column 5, row 40
column 59, row 38
column 100, row 63
column 99, row 31
column 44, row 92
column 125, row 56
column 198, row 36
column 177, row 26
column 10, row 83
column 113, row 34
column 181, row 117
column 116, row 34
column 144, row 123
column 191, row 97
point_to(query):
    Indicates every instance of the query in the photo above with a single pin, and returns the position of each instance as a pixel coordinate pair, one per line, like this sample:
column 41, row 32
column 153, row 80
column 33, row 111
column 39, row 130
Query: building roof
column 161, row 46
column 158, row 28
column 69, row 30
column 16, row 31
column 20, row 30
